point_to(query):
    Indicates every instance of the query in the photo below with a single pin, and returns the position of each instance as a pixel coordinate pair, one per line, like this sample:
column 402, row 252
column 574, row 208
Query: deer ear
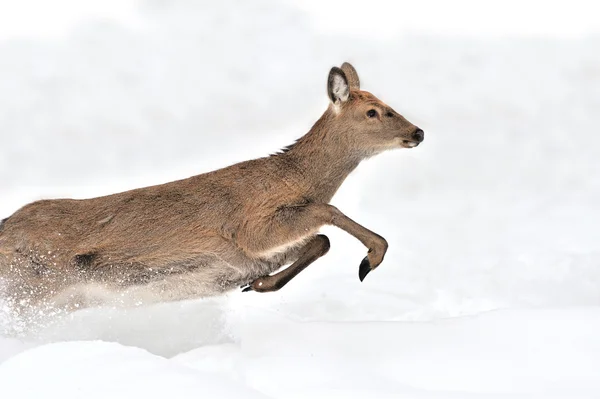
column 352, row 75
column 337, row 86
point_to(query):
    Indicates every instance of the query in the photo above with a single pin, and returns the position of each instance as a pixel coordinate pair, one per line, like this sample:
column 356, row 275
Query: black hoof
column 364, row 269
column 246, row 288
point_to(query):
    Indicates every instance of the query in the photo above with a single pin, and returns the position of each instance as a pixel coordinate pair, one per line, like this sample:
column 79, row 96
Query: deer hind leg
column 311, row 251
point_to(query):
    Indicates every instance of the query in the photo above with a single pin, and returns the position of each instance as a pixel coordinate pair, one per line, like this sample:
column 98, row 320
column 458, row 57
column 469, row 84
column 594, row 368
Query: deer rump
column 209, row 233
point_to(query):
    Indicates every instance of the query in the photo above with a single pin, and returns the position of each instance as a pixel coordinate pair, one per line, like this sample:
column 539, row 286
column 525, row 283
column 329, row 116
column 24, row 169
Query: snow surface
column 491, row 285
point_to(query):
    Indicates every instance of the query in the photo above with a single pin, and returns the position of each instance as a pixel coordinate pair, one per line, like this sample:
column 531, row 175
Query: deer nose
column 418, row 135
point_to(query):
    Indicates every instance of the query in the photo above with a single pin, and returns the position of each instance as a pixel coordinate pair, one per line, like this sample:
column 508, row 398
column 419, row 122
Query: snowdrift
column 490, row 288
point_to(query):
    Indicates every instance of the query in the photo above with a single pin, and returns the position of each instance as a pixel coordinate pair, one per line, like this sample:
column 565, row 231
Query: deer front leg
column 376, row 244
column 312, row 251
column 294, row 222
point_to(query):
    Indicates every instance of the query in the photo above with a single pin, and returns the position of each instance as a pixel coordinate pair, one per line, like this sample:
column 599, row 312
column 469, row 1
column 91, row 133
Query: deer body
column 209, row 233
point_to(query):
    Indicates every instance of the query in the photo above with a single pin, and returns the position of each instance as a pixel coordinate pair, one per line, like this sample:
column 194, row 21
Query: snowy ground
column 491, row 286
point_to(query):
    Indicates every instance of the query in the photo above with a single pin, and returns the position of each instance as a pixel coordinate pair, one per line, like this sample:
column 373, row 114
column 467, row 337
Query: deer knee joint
column 324, row 244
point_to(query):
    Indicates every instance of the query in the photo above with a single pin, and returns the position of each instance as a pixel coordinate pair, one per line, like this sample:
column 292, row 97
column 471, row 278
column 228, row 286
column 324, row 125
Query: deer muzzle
column 415, row 139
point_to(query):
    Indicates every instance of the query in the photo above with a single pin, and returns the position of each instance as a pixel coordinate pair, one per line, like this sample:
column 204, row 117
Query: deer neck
column 323, row 158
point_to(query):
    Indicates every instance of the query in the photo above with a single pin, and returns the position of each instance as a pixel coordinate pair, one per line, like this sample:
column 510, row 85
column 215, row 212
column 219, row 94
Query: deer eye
column 371, row 113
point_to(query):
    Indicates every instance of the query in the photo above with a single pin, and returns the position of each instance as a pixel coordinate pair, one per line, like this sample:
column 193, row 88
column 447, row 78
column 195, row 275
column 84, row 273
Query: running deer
column 212, row 232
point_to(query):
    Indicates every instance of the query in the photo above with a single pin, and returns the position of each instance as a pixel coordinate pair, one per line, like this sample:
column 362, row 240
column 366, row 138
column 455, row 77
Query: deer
column 210, row 233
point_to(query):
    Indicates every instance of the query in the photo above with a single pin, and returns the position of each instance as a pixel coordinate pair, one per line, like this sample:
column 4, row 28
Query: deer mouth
column 410, row 143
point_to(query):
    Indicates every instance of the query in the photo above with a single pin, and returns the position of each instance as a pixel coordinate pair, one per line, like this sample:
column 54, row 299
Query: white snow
column 72, row 369
column 491, row 285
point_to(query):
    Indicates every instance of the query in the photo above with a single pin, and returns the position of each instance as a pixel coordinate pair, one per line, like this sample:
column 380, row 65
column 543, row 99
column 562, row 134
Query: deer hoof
column 261, row 284
column 246, row 288
column 364, row 268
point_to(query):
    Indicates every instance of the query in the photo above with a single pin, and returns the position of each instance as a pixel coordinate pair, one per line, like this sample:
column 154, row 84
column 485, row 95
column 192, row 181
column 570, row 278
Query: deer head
column 369, row 126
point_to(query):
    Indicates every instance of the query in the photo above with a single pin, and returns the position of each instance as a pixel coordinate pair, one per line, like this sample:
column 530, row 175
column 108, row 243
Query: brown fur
column 209, row 233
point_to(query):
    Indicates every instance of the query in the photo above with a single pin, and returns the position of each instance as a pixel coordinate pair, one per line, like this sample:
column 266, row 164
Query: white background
column 491, row 286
